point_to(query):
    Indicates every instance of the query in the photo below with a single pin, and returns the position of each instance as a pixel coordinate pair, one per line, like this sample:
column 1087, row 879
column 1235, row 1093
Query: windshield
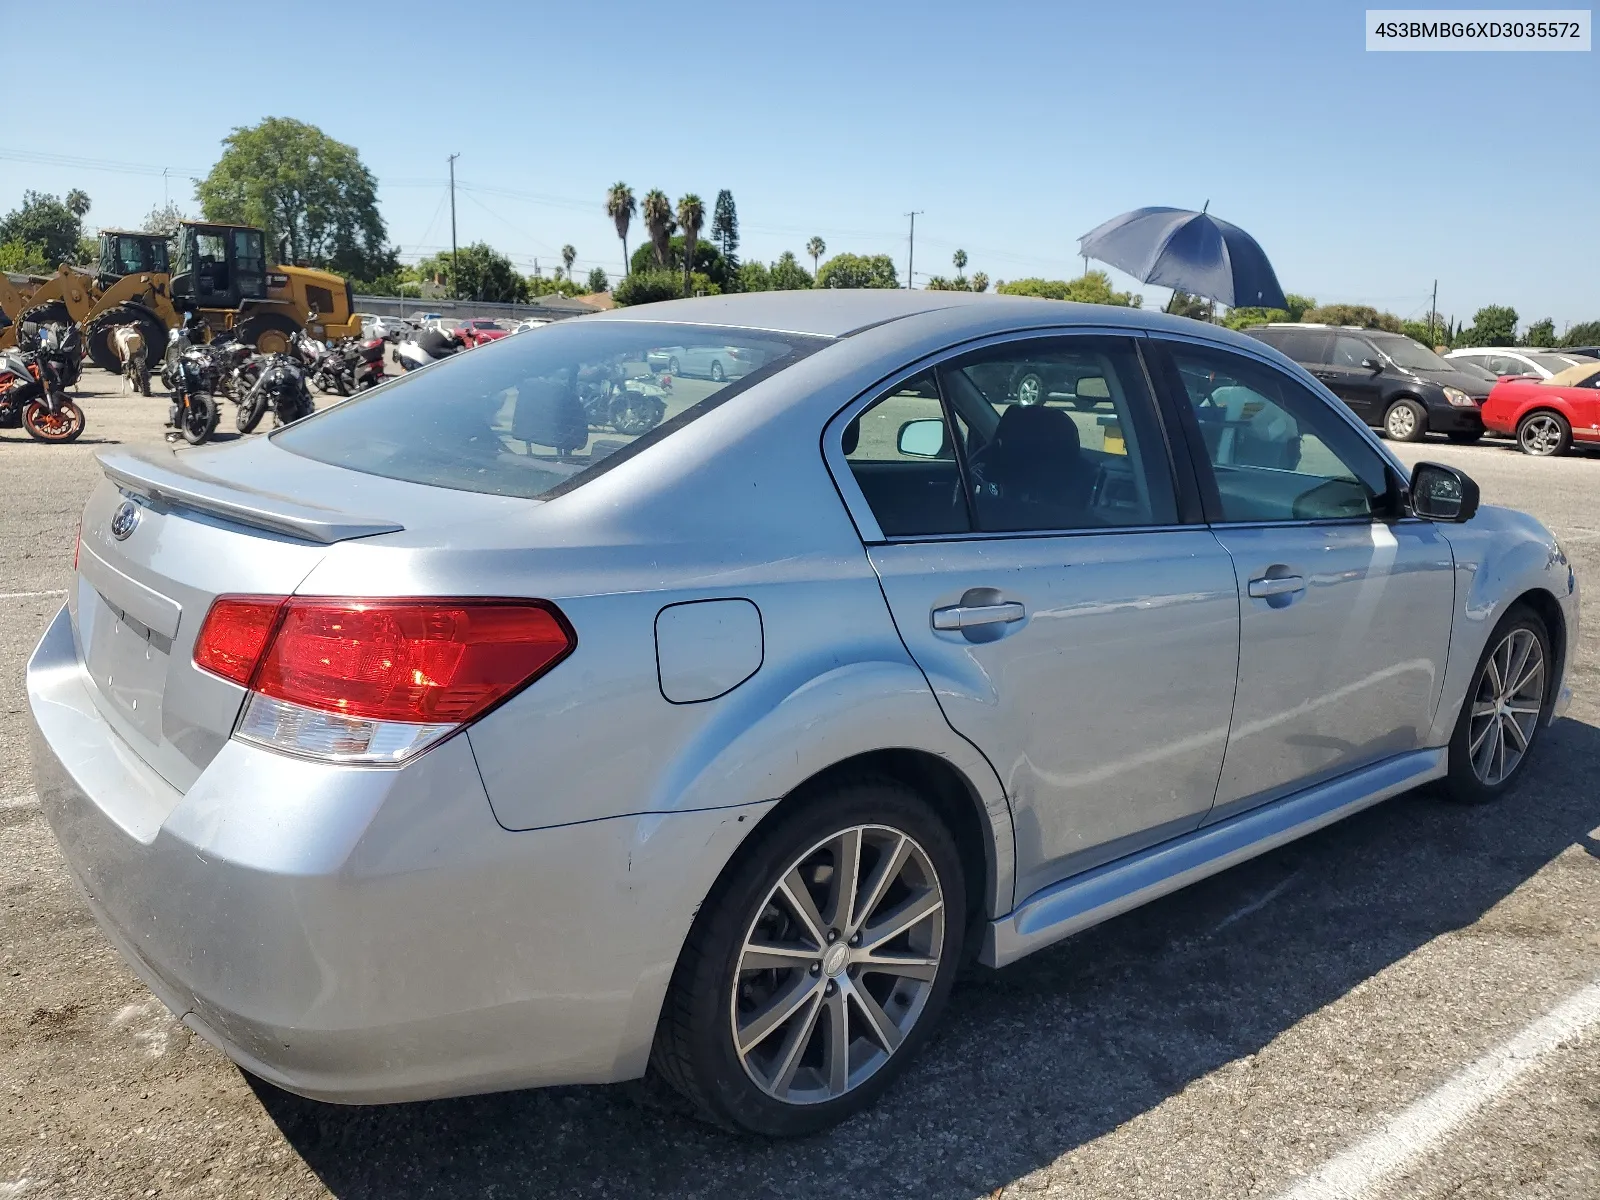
column 1414, row 356
column 1554, row 362
column 532, row 415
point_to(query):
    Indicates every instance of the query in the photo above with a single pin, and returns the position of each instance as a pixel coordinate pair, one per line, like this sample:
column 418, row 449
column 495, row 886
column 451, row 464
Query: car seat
column 549, row 414
column 1035, row 475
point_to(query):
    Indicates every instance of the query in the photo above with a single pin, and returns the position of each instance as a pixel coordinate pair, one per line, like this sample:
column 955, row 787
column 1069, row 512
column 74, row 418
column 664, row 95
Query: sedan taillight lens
column 374, row 681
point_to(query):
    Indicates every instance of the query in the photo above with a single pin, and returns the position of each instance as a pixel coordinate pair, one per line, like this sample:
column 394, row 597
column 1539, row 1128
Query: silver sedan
column 436, row 744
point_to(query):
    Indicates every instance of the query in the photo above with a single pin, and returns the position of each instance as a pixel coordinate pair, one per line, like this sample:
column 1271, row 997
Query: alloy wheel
column 1402, row 422
column 838, row 964
column 1506, row 706
column 1030, row 389
column 1540, row 435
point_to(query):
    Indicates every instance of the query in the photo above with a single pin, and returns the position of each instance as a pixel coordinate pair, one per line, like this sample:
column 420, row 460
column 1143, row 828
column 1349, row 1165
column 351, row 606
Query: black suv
column 1391, row 382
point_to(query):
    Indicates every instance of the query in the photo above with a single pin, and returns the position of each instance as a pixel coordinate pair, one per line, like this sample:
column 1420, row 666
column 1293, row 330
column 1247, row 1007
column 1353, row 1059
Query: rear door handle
column 959, row 616
column 1284, row 586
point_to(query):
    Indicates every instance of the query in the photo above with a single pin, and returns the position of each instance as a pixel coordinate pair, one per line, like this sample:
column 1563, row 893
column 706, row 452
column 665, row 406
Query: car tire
column 1466, row 438
column 1544, row 434
column 788, row 1080
column 1029, row 389
column 1406, row 421
column 672, row 366
column 1481, row 767
column 717, row 375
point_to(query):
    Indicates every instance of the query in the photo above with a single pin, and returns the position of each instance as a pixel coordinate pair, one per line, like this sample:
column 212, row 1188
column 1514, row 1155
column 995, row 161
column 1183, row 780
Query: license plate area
column 127, row 661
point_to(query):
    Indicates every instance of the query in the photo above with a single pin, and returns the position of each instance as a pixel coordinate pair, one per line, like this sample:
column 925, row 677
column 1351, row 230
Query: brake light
column 374, row 681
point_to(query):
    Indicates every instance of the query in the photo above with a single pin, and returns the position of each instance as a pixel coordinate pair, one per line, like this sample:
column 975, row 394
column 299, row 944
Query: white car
column 524, row 326
column 389, row 328
column 1513, row 360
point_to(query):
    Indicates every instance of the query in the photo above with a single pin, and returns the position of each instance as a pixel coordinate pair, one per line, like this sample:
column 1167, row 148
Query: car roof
column 1572, row 376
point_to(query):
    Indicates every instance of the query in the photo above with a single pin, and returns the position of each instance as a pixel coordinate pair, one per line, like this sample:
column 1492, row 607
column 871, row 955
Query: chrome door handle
column 960, row 616
column 1262, row 588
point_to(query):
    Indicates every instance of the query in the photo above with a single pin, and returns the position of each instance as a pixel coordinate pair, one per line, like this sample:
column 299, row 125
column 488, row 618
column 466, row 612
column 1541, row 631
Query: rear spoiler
column 171, row 481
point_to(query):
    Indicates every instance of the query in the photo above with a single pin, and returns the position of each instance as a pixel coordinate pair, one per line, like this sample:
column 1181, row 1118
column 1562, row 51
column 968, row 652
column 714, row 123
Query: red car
column 479, row 330
column 1547, row 415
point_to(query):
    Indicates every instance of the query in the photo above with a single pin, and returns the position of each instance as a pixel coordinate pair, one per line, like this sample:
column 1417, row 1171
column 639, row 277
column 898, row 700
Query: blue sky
column 1014, row 127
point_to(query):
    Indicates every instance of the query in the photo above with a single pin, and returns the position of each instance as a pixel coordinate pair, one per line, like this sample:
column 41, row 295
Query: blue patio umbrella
column 1189, row 251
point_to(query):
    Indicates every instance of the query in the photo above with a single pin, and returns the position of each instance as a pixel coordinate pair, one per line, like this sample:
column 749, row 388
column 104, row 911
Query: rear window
column 539, row 414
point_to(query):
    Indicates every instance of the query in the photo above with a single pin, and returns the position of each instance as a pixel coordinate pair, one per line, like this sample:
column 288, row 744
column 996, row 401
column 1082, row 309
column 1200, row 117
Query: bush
column 649, row 287
column 1363, row 315
column 708, row 261
column 1587, row 333
column 858, row 271
column 1092, row 287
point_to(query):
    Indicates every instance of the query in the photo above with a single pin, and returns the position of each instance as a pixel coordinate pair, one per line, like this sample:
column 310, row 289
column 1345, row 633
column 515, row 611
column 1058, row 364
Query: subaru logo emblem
column 125, row 520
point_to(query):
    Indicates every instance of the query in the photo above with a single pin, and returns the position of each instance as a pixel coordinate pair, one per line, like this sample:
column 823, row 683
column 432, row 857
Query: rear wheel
column 1029, row 388
column 1406, row 421
column 62, row 426
column 51, row 312
column 1544, row 434
column 198, row 421
column 1504, row 711
column 97, row 339
column 819, row 964
column 269, row 333
column 717, row 375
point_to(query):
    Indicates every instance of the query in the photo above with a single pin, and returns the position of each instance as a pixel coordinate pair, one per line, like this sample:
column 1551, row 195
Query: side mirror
column 922, row 439
column 1441, row 493
column 1372, row 364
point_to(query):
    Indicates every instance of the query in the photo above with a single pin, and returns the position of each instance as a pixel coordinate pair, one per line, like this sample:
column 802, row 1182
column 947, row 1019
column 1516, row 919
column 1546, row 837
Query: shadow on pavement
column 1033, row 1060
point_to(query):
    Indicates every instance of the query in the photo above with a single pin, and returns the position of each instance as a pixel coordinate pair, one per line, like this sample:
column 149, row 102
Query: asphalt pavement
column 1354, row 993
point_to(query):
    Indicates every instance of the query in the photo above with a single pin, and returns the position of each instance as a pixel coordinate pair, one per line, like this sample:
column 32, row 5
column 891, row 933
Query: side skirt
column 1075, row 904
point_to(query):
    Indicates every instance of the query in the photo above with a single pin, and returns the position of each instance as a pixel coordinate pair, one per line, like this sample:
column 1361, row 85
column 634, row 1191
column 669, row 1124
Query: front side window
column 528, row 416
column 1277, row 451
column 1413, row 356
column 1350, row 351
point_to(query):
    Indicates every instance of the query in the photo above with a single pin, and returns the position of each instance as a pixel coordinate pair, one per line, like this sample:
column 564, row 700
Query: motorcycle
column 33, row 383
column 280, row 385
column 418, row 349
column 628, row 406
column 369, row 371
column 191, row 374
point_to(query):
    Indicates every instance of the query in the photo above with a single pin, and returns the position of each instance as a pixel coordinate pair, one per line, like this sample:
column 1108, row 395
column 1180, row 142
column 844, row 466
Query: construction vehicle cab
column 132, row 252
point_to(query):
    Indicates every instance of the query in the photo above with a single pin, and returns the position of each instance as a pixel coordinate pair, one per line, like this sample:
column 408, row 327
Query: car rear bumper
column 371, row 935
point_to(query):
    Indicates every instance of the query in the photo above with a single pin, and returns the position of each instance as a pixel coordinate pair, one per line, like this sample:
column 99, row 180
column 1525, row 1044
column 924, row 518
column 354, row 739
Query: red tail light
column 375, row 680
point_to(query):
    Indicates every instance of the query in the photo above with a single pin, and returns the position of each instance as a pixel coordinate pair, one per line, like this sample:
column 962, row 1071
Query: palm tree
column 691, row 215
column 657, row 213
column 816, row 247
column 569, row 256
column 960, row 260
column 620, row 207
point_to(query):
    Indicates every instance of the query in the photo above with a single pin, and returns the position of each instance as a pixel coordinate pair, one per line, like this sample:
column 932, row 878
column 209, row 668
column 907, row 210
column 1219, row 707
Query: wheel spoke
column 763, row 955
column 1517, row 659
column 1526, row 709
column 1483, row 753
column 1535, row 672
column 912, row 912
column 846, row 875
column 1488, row 727
column 1516, row 734
column 1486, row 708
column 795, row 1043
column 838, row 1009
column 774, row 1013
column 1491, row 672
column 907, row 966
column 884, row 1031
column 889, row 866
column 798, row 897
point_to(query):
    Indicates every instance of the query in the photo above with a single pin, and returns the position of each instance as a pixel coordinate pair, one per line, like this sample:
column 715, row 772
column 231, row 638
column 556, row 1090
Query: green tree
column 1363, row 315
column 691, row 215
column 300, row 185
column 708, row 261
column 648, row 287
column 1585, row 333
column 165, row 219
column 754, row 277
column 1299, row 306
column 1540, row 333
column 660, row 224
column 482, row 273
column 1092, row 287
column 88, row 251
column 980, row 281
column 1246, row 316
column 52, row 223
column 621, row 207
column 1492, row 325
column 725, row 230
column 569, row 255
column 598, row 281
column 960, row 260
column 816, row 248
column 787, row 275
column 858, row 271
column 23, row 258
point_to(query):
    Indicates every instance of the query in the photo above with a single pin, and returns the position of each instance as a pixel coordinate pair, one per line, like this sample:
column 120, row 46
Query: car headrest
column 1038, row 431
column 851, row 438
column 549, row 414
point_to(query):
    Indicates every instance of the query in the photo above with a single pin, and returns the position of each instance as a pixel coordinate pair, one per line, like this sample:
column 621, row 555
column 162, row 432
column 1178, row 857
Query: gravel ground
column 1219, row 1043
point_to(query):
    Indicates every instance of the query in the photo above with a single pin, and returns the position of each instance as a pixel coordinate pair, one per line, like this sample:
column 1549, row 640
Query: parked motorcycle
column 192, row 375
column 280, row 386
column 611, row 399
column 369, row 372
column 425, row 346
column 33, row 383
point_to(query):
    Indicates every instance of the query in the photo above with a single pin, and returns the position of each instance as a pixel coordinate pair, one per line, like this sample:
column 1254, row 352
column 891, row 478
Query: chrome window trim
column 855, row 502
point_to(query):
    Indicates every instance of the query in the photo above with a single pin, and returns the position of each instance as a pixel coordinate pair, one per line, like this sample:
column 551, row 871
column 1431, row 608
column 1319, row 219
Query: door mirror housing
column 1441, row 493
column 922, row 439
column 1372, row 364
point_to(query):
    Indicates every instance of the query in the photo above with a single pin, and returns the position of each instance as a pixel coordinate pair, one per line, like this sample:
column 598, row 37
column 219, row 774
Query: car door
column 1357, row 385
column 1345, row 610
column 1070, row 626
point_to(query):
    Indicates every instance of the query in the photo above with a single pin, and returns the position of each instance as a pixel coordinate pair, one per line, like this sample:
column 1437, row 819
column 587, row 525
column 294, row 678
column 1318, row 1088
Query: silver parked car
column 714, row 362
column 436, row 745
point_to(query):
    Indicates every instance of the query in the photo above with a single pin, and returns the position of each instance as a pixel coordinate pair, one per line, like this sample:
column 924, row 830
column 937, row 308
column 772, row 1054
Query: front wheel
column 249, row 413
column 1406, row 421
column 1504, row 710
column 63, row 425
column 1544, row 434
column 819, row 964
column 198, row 420
column 1030, row 389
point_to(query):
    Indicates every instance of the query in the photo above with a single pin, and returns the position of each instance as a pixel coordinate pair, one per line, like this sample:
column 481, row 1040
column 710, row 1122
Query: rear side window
column 534, row 415
column 903, row 458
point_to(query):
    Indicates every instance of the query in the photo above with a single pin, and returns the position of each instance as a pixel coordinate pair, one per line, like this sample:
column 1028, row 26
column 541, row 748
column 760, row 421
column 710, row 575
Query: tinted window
column 530, row 415
column 1302, row 345
column 1060, row 435
column 903, row 459
column 1278, row 452
column 1350, row 351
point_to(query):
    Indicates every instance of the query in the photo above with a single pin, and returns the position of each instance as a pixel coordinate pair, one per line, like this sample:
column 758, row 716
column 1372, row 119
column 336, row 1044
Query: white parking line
column 1362, row 1169
column 31, row 595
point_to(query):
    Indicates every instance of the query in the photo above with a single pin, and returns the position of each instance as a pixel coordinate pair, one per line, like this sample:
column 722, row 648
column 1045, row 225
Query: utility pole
column 455, row 291
column 911, row 250
column 1433, row 307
